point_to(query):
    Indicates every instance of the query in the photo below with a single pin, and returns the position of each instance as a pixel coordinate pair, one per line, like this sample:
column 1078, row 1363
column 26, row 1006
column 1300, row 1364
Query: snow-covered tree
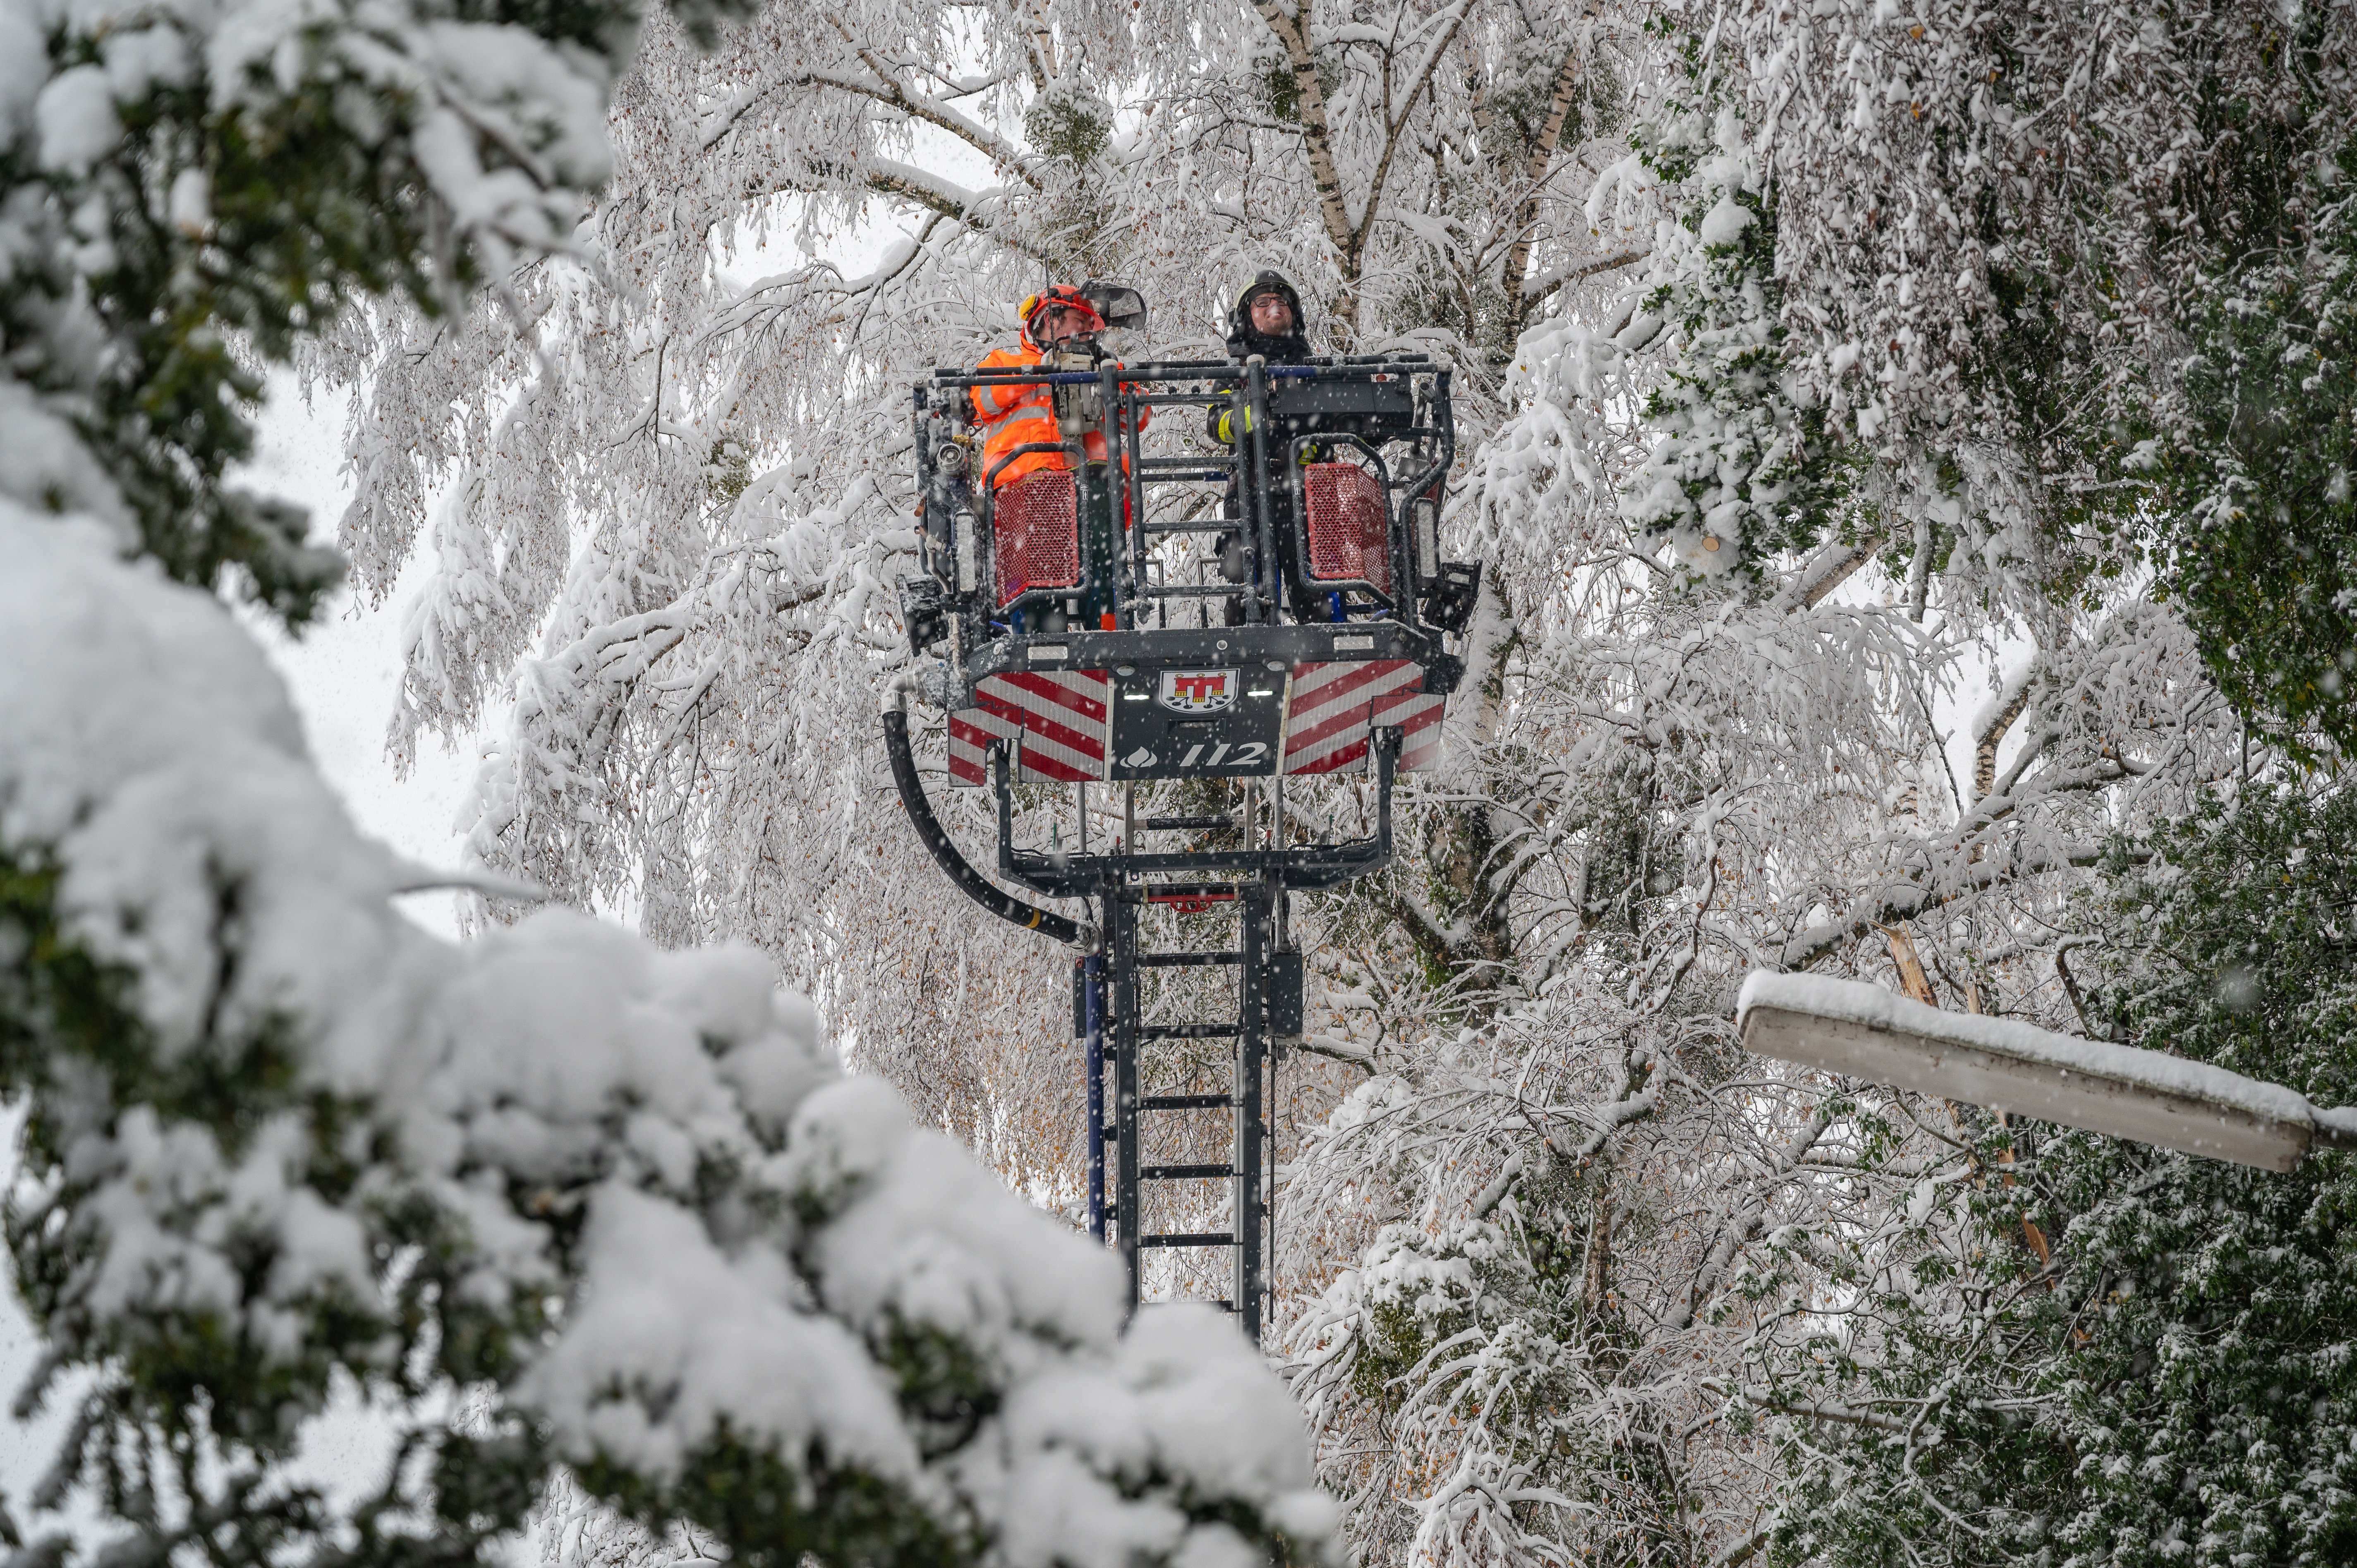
column 1893, row 302
column 1567, row 1210
column 559, row 1197
column 2261, row 547
column 2077, row 1349
column 1590, row 1255
column 2083, row 262
column 675, row 460
column 1996, row 236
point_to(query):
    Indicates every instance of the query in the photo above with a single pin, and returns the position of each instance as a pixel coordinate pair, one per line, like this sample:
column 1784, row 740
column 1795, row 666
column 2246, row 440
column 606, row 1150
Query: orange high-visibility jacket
column 1014, row 414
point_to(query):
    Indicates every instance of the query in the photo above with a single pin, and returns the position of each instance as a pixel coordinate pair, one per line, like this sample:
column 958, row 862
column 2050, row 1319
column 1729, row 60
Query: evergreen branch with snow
column 553, row 1198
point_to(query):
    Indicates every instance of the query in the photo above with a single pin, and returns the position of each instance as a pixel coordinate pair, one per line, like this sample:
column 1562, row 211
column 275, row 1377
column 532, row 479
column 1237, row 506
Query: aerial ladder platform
column 1078, row 635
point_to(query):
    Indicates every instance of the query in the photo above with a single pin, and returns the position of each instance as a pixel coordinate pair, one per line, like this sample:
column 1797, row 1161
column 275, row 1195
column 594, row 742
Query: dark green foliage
column 1742, row 471
column 2233, row 947
column 1069, row 125
column 2262, row 550
column 2180, row 1389
column 2213, row 1400
column 2040, row 362
column 187, row 1405
column 127, row 330
column 303, row 217
column 145, row 331
column 182, row 1397
column 2219, row 455
column 945, row 1388
column 776, row 1516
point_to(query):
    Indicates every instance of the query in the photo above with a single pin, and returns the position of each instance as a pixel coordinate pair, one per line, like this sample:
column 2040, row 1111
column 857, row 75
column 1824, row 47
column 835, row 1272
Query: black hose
column 928, row 828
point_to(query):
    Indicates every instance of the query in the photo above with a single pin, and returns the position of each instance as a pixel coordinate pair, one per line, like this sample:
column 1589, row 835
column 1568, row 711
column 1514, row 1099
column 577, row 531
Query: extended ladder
column 1263, row 1002
column 1126, row 1049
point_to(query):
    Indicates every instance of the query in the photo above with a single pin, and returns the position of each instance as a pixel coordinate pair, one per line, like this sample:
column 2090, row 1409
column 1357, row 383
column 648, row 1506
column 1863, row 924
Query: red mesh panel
column 1347, row 535
column 1035, row 526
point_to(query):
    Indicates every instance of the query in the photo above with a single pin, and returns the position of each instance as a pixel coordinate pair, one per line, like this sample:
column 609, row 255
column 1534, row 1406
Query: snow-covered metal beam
column 1861, row 1030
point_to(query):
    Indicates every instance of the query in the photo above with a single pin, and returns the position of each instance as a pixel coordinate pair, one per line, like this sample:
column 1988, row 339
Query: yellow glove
column 1226, row 429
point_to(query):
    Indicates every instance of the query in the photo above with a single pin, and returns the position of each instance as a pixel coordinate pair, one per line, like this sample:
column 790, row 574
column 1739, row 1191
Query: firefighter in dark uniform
column 1265, row 320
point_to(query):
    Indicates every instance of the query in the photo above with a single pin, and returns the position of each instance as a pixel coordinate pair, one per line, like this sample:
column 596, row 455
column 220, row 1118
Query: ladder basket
column 1348, row 524
column 1036, row 534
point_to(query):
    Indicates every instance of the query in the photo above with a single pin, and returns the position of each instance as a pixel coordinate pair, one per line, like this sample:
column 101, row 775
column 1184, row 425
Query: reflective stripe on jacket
column 1015, row 414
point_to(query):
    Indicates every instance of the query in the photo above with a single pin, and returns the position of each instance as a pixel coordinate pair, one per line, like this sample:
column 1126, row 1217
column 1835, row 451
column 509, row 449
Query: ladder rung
column 1182, row 1173
column 1165, row 822
column 1185, row 1102
column 1186, row 960
column 1190, row 1239
column 1189, row 1031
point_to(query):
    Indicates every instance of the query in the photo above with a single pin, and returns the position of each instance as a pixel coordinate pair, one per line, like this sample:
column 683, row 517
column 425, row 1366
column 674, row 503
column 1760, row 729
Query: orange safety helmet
column 1060, row 295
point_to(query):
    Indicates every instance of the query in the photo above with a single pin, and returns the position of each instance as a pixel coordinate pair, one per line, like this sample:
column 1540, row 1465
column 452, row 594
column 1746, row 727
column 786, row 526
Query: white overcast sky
column 345, row 671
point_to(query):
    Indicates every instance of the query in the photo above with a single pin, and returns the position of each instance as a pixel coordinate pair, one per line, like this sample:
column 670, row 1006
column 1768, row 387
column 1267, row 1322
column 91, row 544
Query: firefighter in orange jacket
column 1060, row 334
column 1061, row 323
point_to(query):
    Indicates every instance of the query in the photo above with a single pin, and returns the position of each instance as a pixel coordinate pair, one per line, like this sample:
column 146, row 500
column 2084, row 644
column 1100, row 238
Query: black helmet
column 1270, row 282
column 1244, row 339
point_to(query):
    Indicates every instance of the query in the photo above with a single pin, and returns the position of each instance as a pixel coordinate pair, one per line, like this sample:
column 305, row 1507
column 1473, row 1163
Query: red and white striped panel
column 1059, row 713
column 1332, row 706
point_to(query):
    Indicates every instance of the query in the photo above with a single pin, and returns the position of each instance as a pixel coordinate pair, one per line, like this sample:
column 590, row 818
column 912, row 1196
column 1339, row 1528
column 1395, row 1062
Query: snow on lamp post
column 1864, row 1031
